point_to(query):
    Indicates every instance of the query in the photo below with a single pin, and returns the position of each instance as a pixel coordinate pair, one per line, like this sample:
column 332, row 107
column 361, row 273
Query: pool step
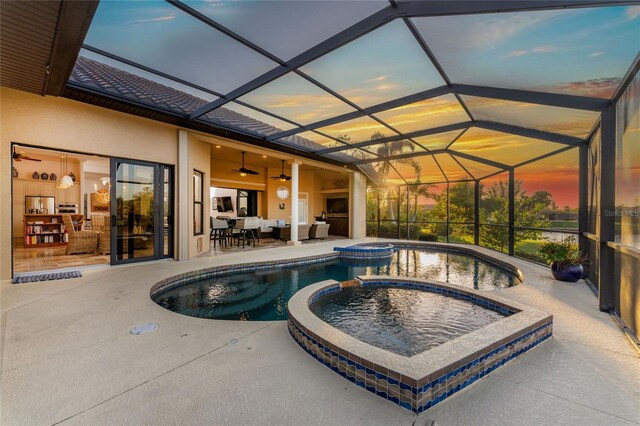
column 251, row 291
column 230, row 311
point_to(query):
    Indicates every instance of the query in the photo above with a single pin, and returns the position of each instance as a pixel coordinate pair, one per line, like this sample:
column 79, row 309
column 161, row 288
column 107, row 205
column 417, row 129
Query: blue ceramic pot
column 570, row 274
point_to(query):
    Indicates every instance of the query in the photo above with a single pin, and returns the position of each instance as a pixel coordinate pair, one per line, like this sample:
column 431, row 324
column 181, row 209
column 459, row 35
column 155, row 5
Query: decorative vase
column 53, row 177
column 44, row 176
column 35, row 175
column 14, row 171
column 72, row 176
column 571, row 273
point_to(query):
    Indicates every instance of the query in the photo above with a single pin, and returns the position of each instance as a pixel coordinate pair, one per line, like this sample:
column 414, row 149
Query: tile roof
column 105, row 78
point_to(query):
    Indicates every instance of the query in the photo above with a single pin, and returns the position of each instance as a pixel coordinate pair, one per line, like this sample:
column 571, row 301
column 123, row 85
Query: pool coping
column 425, row 379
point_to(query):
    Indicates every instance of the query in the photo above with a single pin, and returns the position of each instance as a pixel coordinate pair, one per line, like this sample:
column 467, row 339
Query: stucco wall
column 199, row 159
column 60, row 123
column 307, row 183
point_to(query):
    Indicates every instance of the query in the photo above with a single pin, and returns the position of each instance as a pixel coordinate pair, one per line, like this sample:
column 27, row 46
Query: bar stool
column 219, row 231
column 245, row 228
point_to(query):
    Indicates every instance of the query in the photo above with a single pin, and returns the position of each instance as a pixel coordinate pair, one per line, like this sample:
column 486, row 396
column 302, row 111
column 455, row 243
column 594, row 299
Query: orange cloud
column 599, row 87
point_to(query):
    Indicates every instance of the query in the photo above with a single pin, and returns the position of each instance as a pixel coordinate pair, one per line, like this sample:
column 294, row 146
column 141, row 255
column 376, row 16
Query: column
column 357, row 205
column 294, row 204
column 183, row 196
column 606, row 231
column 512, row 210
column 476, row 213
column 583, row 198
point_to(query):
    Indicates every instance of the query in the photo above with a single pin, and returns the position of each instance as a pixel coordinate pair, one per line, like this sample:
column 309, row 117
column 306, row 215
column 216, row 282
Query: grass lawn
column 529, row 249
column 564, row 224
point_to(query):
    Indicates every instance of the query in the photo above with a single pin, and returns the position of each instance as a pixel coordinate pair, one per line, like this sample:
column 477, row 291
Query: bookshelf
column 47, row 230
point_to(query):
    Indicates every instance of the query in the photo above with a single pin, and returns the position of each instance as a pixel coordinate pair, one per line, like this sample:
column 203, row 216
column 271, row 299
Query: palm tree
column 390, row 149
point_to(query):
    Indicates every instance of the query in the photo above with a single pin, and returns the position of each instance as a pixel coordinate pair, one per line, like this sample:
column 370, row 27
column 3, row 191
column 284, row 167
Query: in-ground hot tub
column 414, row 368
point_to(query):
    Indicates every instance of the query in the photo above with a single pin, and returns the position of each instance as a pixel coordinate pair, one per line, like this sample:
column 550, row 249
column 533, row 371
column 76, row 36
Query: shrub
column 425, row 236
column 564, row 253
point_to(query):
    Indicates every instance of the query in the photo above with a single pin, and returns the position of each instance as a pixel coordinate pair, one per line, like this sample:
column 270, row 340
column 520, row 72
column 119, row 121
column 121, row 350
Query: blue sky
column 556, row 50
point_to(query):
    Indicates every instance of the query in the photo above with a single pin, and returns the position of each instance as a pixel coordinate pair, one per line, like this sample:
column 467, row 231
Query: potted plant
column 564, row 259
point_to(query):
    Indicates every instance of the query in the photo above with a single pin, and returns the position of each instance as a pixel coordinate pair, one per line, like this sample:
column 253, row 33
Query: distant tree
column 494, row 209
column 461, row 207
column 461, row 204
column 389, row 149
column 417, row 192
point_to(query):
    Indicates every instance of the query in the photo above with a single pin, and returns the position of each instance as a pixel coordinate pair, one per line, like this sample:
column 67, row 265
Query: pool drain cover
column 145, row 328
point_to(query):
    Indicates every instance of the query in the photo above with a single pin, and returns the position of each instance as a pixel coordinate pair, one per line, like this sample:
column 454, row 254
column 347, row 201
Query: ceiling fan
column 243, row 170
column 19, row 156
column 282, row 177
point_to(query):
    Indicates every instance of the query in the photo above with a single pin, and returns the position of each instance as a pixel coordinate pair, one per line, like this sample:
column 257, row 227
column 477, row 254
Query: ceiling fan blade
column 251, row 172
column 24, row 157
column 16, row 158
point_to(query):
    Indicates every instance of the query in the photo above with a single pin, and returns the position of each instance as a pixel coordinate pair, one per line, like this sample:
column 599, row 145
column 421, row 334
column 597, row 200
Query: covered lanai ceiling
column 455, row 89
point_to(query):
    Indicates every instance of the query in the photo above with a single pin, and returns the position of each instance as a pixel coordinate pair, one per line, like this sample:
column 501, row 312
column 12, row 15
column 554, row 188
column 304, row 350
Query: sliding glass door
column 141, row 211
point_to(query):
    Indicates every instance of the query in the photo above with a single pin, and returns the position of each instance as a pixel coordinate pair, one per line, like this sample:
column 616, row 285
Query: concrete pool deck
column 68, row 356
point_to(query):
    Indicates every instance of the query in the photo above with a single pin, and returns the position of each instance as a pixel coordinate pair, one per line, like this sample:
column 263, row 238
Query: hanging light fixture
column 64, row 183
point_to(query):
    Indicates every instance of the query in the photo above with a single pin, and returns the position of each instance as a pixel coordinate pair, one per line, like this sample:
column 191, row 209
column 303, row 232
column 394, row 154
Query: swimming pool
column 262, row 294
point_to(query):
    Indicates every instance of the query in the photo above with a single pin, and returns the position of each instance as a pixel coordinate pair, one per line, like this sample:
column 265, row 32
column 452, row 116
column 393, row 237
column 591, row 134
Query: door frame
column 158, row 211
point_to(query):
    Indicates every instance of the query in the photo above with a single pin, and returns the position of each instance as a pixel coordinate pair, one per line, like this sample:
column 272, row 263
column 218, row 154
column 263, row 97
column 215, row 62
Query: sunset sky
column 583, row 51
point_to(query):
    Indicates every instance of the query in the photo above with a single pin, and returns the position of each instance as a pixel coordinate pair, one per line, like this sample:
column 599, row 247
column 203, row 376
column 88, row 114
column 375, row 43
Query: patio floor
column 68, row 356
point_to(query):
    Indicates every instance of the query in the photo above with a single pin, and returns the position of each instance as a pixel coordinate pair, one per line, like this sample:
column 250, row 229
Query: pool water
column 401, row 320
column 263, row 295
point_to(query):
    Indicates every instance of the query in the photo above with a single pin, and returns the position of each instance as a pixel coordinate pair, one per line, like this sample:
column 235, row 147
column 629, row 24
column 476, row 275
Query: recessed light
column 218, row 146
column 264, row 156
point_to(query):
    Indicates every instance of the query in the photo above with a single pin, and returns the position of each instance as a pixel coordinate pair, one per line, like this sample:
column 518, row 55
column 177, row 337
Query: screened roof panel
column 502, row 147
column 581, row 51
column 162, row 37
column 286, row 28
column 437, row 141
column 575, row 51
column 295, row 98
column 389, row 149
column 452, row 170
column 478, row 170
column 383, row 65
column 246, row 119
column 358, row 130
column 381, row 173
column 425, row 114
column 566, row 121
column 421, row 169
column 98, row 72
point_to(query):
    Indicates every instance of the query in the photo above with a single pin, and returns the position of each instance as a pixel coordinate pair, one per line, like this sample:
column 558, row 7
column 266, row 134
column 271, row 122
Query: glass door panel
column 138, row 211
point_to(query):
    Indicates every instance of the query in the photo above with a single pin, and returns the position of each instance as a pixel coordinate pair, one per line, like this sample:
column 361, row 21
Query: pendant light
column 62, row 183
column 66, row 181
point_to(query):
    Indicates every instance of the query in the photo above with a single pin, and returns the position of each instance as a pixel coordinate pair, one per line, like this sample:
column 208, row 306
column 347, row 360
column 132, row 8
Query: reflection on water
column 404, row 321
column 263, row 295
